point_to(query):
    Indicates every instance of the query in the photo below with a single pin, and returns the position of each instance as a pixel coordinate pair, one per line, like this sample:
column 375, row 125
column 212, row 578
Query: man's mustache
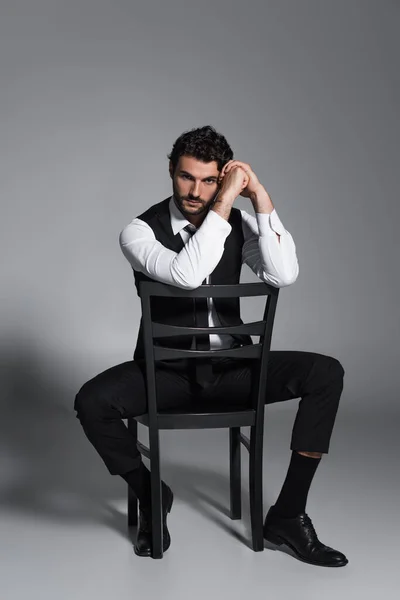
column 194, row 199
column 198, row 199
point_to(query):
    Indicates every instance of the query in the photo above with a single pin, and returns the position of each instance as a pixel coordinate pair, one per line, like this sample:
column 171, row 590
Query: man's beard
column 196, row 209
column 199, row 209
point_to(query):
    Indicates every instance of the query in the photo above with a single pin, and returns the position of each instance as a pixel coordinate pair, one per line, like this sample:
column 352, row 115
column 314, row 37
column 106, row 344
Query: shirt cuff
column 269, row 222
column 217, row 223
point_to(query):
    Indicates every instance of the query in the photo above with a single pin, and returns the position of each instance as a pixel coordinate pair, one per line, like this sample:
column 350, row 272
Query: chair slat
column 160, row 330
column 152, row 288
column 250, row 351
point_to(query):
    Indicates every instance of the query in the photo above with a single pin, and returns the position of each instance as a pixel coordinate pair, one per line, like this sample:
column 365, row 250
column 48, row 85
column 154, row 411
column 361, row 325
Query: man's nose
column 195, row 191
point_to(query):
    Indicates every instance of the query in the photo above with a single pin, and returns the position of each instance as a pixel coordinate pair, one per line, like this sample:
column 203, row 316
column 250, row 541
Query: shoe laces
column 305, row 519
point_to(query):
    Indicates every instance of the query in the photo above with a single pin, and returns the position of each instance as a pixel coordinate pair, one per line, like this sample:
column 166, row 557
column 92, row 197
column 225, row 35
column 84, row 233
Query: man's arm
column 271, row 258
column 272, row 261
column 186, row 269
column 262, row 204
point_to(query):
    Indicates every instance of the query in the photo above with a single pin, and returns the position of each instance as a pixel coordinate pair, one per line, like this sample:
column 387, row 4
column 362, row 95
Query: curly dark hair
column 202, row 143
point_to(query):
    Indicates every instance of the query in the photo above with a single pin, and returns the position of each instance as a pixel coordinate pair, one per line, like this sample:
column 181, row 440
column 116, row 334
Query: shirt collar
column 178, row 221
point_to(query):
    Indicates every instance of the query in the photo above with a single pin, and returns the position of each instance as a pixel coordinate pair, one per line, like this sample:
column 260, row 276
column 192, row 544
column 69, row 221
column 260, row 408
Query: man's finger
column 236, row 163
column 238, row 166
column 225, row 166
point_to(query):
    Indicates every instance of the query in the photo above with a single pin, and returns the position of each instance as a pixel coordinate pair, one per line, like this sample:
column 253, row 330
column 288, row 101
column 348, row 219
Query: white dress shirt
column 273, row 261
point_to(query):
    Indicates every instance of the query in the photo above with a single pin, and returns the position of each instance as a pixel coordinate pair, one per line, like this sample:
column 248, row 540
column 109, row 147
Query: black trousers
column 120, row 392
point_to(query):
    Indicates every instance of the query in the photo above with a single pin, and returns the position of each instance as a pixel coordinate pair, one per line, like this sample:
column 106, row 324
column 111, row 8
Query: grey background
column 92, row 95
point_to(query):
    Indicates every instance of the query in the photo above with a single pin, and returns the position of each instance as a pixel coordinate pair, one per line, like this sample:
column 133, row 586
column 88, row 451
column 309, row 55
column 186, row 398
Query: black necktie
column 203, row 365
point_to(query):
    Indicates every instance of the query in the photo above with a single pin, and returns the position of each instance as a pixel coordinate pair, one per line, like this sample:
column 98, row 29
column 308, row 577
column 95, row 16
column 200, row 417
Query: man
column 196, row 236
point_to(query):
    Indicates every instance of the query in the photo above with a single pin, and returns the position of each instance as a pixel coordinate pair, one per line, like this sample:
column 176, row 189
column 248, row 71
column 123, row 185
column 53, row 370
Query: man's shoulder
column 156, row 209
column 143, row 223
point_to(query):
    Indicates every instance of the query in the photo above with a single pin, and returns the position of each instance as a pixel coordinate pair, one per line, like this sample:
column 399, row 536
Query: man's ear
column 171, row 170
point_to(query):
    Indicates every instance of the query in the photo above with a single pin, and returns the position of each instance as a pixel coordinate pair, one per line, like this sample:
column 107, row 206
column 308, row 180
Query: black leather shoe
column 299, row 535
column 144, row 544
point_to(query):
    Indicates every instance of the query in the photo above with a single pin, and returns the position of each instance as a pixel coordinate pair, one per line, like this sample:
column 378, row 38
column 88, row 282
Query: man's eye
column 184, row 176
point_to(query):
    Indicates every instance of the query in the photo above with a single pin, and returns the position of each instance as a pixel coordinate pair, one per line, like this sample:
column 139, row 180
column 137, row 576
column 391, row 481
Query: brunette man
column 196, row 236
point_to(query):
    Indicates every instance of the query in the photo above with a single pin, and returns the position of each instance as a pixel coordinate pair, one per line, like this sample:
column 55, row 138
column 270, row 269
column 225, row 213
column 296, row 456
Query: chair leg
column 156, row 508
column 255, row 477
column 132, row 500
column 235, row 473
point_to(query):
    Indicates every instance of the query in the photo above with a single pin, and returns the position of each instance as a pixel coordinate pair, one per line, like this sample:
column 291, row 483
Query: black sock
column 293, row 496
column 139, row 480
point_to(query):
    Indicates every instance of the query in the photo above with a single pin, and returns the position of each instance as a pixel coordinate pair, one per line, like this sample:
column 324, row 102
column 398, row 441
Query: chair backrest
column 258, row 351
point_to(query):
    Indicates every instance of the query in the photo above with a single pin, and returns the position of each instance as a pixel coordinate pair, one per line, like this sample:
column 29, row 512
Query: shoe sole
column 273, row 538
column 169, row 542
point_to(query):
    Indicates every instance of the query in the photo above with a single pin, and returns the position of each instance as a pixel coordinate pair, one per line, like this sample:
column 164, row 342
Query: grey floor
column 63, row 517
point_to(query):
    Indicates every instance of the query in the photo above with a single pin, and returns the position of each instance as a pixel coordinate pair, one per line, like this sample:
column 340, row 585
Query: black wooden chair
column 220, row 417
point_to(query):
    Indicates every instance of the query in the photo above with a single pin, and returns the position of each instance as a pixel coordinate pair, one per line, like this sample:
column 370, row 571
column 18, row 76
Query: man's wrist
column 222, row 205
column 261, row 201
column 224, row 198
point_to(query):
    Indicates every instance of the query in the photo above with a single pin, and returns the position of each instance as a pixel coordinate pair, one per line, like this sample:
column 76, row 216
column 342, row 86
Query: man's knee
column 88, row 402
column 327, row 370
column 335, row 367
column 328, row 366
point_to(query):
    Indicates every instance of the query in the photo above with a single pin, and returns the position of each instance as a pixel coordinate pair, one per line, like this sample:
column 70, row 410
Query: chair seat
column 197, row 418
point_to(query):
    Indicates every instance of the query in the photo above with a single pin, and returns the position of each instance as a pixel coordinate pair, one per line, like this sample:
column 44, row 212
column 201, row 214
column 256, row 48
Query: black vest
column 181, row 311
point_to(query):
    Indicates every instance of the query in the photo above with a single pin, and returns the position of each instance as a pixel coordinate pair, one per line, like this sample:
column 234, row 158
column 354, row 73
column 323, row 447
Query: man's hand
column 230, row 177
column 254, row 190
column 253, row 185
column 232, row 183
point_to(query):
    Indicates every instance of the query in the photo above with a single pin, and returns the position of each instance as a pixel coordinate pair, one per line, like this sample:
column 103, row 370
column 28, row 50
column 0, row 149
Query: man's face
column 194, row 180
